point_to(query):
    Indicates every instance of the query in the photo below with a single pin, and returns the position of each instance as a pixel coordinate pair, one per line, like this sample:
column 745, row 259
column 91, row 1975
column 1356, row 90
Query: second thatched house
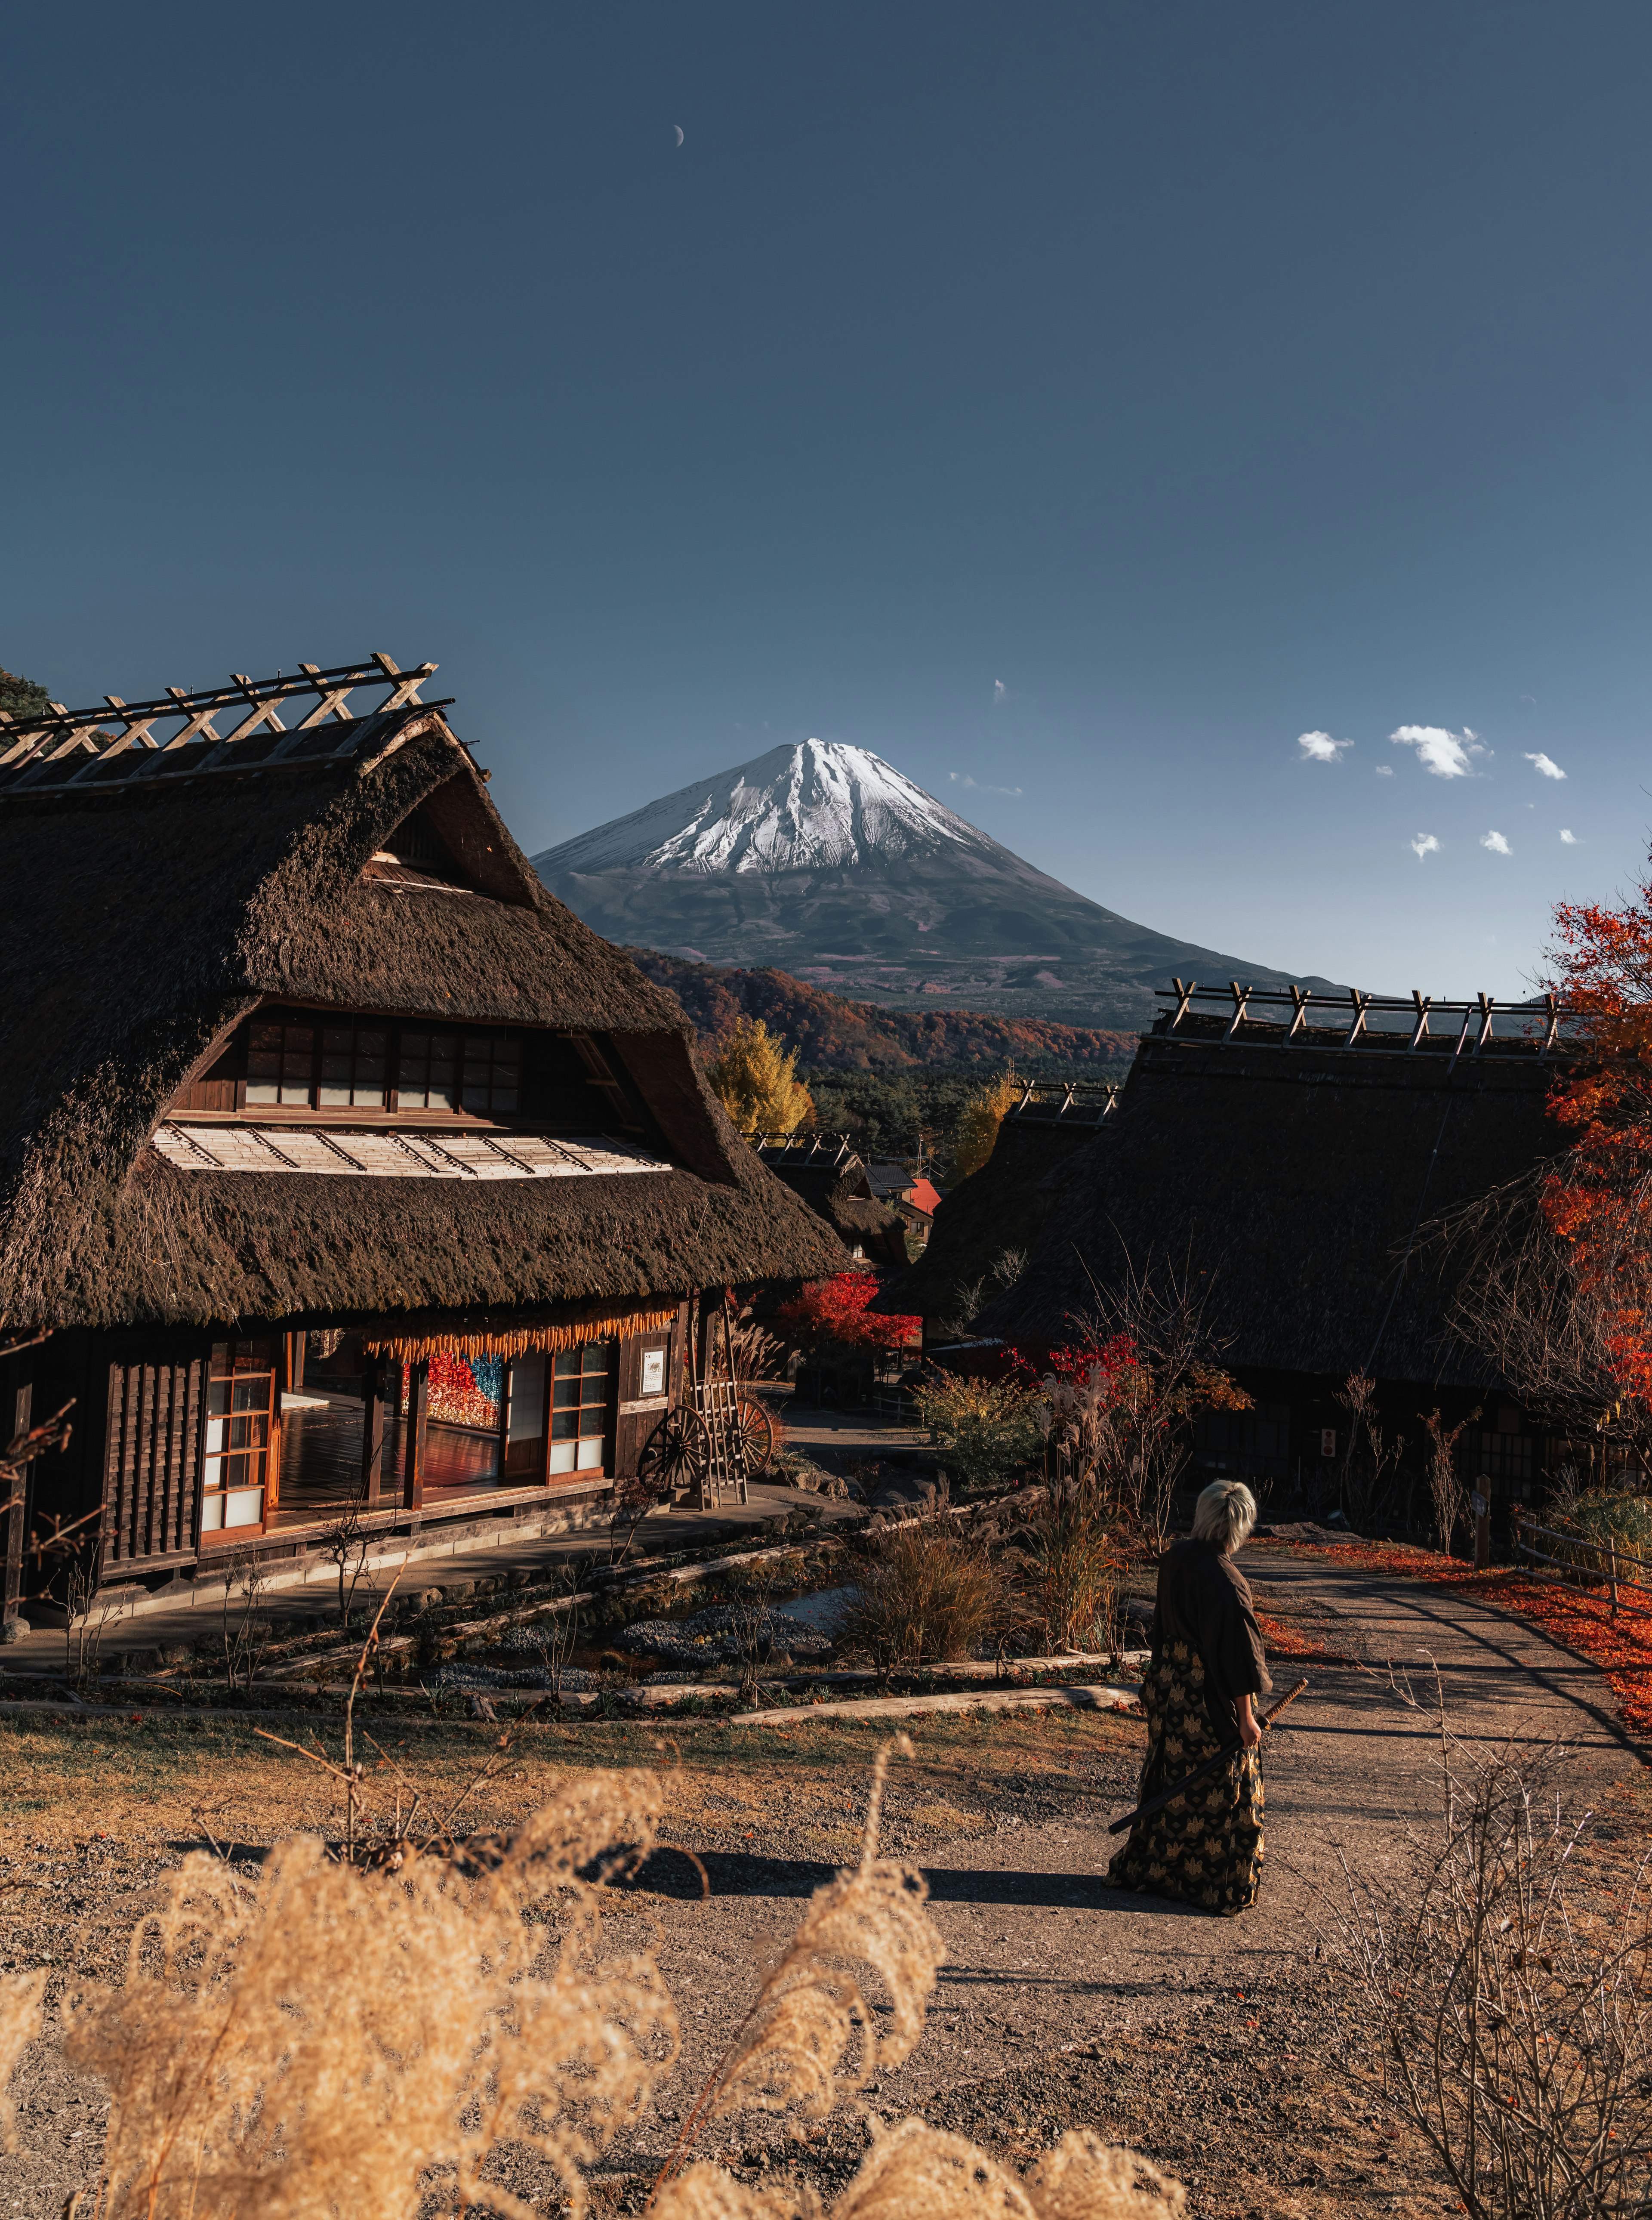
column 1287, row 1176
column 343, row 1172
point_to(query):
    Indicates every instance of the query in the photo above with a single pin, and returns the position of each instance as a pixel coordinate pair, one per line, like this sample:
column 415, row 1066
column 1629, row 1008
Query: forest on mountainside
column 832, row 1034
column 897, row 1082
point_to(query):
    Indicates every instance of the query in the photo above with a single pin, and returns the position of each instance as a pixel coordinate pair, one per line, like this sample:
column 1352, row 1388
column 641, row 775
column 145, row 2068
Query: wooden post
column 1611, row 1554
column 1482, row 1530
column 12, row 1521
column 412, row 1435
column 373, row 1430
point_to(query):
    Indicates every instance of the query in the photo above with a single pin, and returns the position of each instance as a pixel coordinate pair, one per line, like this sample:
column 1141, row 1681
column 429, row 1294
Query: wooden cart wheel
column 756, row 1431
column 677, row 1454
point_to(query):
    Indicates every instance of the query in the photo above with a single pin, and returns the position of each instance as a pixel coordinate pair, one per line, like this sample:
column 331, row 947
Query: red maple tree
column 1599, row 1197
column 836, row 1310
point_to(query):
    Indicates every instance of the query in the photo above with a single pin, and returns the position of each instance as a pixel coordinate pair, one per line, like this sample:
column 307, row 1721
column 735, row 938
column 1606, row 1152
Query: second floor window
column 478, row 1072
column 317, row 1067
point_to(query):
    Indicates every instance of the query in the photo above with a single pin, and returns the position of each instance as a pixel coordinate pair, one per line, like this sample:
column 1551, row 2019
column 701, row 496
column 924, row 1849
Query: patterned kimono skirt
column 1204, row 1847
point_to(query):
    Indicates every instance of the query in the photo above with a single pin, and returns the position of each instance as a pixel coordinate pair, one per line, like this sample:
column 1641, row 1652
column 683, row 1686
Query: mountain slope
column 825, row 860
column 831, row 1034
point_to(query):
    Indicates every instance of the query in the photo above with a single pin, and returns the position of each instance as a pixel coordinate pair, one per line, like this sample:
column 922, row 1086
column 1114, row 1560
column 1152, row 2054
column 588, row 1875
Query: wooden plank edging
column 1094, row 1698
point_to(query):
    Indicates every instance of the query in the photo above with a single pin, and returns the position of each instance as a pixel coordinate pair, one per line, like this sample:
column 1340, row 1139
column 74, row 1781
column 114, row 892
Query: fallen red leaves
column 1284, row 1641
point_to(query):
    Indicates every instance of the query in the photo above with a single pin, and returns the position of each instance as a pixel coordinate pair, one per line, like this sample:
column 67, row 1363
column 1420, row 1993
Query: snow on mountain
column 824, row 861
column 814, row 805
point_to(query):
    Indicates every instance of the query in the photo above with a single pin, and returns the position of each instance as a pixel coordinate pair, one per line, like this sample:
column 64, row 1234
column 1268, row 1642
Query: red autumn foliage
column 1598, row 1199
column 836, row 1310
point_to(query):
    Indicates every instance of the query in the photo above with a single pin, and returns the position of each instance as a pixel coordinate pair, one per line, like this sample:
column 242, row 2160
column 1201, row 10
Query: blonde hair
column 1225, row 1513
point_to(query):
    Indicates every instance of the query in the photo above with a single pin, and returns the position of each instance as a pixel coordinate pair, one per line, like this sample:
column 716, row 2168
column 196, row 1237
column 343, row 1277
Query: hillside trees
column 22, row 697
column 977, row 1130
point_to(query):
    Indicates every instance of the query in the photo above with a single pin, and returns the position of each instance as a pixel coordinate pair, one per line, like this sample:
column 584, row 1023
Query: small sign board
column 1481, row 1505
column 653, row 1372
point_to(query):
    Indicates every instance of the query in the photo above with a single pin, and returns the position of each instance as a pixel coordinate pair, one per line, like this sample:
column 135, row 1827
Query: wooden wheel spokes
column 677, row 1454
column 754, row 1432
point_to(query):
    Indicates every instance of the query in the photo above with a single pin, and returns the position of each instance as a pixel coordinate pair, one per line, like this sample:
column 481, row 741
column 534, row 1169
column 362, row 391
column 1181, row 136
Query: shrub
column 1075, row 1574
column 989, row 1428
column 837, row 1310
column 1507, row 1992
column 928, row 1595
column 1598, row 1520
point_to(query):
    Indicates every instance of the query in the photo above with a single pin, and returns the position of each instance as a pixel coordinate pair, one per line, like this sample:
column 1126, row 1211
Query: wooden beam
column 12, row 1520
column 372, row 1430
column 413, row 1437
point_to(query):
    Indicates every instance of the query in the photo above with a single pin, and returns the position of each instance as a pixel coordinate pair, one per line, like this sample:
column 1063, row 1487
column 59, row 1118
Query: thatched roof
column 989, row 1219
column 150, row 902
column 826, row 1171
column 1296, row 1177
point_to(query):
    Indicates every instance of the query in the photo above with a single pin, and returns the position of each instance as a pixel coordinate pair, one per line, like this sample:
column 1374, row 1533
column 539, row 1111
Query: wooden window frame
column 220, row 1090
column 225, row 1535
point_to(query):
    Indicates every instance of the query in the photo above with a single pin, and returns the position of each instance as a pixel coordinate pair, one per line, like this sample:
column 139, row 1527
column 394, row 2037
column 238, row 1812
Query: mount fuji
column 822, row 860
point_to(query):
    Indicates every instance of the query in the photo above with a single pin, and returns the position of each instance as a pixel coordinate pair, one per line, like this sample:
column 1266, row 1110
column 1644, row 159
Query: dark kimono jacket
column 1204, row 1600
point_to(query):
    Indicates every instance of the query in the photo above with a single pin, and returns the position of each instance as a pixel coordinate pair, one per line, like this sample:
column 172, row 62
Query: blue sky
column 1076, row 404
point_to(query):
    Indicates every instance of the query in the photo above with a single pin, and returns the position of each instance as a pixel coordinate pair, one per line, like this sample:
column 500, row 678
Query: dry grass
column 929, row 1595
column 333, row 2039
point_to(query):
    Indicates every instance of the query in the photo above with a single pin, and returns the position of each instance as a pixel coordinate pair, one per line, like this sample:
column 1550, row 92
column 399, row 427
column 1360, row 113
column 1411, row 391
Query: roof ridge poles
column 1424, row 1003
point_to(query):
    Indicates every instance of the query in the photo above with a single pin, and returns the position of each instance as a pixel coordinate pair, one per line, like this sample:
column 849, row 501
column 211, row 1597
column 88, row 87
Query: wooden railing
column 1610, row 1557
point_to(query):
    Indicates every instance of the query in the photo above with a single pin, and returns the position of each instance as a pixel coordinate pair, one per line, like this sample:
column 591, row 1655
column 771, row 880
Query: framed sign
column 653, row 1372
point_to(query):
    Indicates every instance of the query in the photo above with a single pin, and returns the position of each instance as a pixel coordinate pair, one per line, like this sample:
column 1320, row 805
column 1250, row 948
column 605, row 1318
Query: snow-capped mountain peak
column 812, row 805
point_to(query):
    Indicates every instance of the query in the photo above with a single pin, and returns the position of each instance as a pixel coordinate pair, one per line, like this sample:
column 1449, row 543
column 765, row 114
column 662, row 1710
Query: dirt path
column 1212, row 2045
column 1065, row 2001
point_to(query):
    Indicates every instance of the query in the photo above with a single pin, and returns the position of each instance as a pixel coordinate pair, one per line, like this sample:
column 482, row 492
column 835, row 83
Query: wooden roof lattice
column 1387, row 1024
column 819, row 1150
column 58, row 750
column 1065, row 1102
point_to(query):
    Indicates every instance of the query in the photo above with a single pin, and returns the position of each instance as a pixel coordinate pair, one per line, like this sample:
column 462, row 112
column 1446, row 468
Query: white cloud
column 1000, row 692
column 1385, row 770
column 1496, row 843
column 1570, row 839
column 1424, row 844
column 1448, row 755
column 1546, row 764
column 1319, row 747
column 974, row 786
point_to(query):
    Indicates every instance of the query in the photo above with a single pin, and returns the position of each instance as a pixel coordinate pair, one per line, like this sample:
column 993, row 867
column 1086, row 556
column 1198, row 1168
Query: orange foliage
column 1599, row 1200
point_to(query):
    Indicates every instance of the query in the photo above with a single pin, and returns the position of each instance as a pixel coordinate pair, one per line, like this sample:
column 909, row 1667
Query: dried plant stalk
column 20, row 2022
column 919, row 2172
column 811, row 2014
column 324, row 2040
column 336, row 2039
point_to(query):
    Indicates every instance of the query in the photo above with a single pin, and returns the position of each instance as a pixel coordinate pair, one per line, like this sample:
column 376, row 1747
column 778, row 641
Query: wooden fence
column 1609, row 1560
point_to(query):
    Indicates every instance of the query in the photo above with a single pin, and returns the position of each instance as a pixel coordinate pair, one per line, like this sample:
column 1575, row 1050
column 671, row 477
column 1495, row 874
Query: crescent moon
column 677, row 128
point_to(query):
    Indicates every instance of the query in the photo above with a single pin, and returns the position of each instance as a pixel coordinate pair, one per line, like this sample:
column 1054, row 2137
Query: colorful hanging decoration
column 462, row 1391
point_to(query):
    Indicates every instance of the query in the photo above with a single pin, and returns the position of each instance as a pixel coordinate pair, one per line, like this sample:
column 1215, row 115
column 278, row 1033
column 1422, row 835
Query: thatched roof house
column 1292, row 1172
column 295, row 1043
column 826, row 1171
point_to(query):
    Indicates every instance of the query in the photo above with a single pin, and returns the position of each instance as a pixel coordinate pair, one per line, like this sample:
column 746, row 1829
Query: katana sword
column 1157, row 1802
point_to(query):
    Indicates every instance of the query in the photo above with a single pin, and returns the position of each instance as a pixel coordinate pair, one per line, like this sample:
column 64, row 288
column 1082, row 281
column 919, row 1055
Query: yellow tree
column 756, row 1081
column 979, row 1121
